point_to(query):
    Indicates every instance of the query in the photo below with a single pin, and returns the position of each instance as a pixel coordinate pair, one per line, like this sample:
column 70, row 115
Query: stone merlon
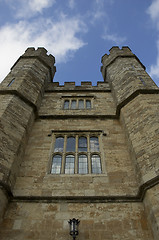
column 116, row 52
column 41, row 54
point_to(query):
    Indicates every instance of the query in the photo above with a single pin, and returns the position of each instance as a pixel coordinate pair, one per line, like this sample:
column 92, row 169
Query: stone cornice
column 139, row 197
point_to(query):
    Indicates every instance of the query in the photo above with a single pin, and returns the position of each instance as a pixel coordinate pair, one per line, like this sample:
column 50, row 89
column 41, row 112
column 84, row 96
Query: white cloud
column 71, row 3
column 60, row 38
column 114, row 38
column 28, row 8
column 97, row 12
column 153, row 12
column 39, row 5
column 154, row 69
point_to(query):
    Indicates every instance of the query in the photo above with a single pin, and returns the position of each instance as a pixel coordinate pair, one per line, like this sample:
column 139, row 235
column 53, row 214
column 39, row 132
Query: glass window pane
column 59, row 144
column 96, row 164
column 73, row 104
column 81, row 104
column 69, row 164
column 66, row 104
column 82, row 144
column 88, row 104
column 12, row 81
column 56, row 164
column 94, row 144
column 82, row 164
column 70, row 144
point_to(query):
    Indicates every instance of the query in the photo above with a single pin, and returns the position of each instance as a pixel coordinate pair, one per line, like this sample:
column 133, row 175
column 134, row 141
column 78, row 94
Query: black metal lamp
column 74, row 227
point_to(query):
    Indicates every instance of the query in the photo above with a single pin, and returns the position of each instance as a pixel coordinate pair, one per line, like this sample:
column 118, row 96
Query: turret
column 21, row 93
column 137, row 102
column 125, row 74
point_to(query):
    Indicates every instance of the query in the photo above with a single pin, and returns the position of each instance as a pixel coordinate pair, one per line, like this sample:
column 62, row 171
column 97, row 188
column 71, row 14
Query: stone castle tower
column 85, row 152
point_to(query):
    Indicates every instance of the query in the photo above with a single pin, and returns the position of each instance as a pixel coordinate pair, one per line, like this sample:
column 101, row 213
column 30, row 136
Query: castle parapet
column 125, row 74
column 116, row 52
column 41, row 55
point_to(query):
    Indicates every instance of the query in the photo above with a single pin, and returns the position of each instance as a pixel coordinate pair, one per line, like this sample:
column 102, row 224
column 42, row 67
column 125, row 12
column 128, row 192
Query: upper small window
column 77, row 104
column 66, row 104
column 73, row 104
column 88, row 104
column 81, row 104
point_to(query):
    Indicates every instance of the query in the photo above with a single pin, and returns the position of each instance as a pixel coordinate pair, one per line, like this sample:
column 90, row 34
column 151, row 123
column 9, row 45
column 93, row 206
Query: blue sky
column 79, row 32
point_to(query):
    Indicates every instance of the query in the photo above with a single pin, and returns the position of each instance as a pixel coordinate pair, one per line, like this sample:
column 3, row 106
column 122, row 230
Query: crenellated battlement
column 42, row 56
column 85, row 85
column 116, row 52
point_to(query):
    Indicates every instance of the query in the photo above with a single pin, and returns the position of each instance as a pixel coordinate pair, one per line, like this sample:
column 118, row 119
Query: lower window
column 76, row 154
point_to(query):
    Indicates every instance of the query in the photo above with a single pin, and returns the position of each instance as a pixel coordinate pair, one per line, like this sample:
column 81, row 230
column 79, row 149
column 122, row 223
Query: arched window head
column 96, row 164
column 82, row 164
column 70, row 164
column 56, row 164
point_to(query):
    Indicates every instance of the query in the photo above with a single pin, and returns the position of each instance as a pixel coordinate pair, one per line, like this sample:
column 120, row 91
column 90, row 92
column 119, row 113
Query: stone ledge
column 133, row 95
column 14, row 92
column 85, row 199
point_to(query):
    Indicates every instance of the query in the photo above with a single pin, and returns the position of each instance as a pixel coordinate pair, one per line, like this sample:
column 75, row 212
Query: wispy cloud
column 153, row 12
column 59, row 37
column 71, row 3
column 113, row 37
column 97, row 11
column 28, row 8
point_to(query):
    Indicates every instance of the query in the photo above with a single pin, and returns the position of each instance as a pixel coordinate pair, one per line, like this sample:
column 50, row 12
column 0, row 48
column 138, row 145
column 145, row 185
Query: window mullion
column 70, row 102
column 76, row 155
column 88, row 154
column 64, row 155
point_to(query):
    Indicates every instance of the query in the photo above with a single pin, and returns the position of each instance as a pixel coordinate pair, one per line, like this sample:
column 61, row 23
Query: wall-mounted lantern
column 74, row 227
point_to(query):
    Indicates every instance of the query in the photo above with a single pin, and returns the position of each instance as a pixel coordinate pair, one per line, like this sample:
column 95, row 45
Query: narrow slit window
column 66, row 104
column 88, row 104
column 94, row 144
column 56, row 164
column 82, row 144
column 59, row 144
column 96, row 164
column 142, row 80
column 73, row 104
column 69, row 164
column 11, row 82
column 81, row 104
column 82, row 164
column 70, row 144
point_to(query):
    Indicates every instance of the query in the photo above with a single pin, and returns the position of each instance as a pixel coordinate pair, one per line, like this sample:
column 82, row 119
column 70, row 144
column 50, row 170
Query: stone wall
column 151, row 203
column 103, row 221
column 118, row 176
column 141, row 124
